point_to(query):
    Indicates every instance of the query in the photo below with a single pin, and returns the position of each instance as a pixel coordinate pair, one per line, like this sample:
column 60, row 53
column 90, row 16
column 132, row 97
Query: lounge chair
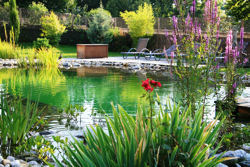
column 137, row 52
column 160, row 53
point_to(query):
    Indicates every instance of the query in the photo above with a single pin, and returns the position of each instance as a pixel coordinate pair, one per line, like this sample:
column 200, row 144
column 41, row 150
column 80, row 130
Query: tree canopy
column 238, row 9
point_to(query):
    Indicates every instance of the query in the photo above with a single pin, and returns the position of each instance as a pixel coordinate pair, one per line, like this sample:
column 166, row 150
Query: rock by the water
column 8, row 165
column 221, row 165
column 238, row 155
column 241, row 154
column 237, row 165
column 45, row 133
column 15, row 163
column 245, row 163
column 33, row 163
column 246, row 147
column 1, row 165
column 6, row 161
column 1, row 159
column 11, row 158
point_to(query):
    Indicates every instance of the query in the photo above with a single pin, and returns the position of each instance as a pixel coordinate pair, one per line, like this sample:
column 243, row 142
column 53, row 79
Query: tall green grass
column 176, row 139
column 16, row 120
column 8, row 50
column 43, row 57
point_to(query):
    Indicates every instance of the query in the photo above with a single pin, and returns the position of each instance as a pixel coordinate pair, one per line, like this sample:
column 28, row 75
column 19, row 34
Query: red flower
column 147, row 85
column 159, row 84
column 155, row 83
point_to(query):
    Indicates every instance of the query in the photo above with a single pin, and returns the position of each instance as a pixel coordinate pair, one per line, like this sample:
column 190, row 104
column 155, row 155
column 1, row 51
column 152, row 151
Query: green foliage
column 121, row 43
column 17, row 120
column 238, row 9
column 37, row 10
column 14, row 19
column 100, row 23
column 4, row 12
column 52, row 28
column 184, row 140
column 43, row 57
column 41, row 43
column 141, row 22
column 126, row 144
column 117, row 6
column 176, row 139
column 8, row 50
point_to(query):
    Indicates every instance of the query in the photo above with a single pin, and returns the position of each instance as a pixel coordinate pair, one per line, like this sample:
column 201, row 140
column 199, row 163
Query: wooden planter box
column 90, row 51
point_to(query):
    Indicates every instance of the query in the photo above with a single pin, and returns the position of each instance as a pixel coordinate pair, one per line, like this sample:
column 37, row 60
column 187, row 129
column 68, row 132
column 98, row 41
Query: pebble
column 1, row 165
column 8, row 165
column 11, row 158
column 221, row 165
column 246, row 147
column 46, row 133
column 33, row 163
column 15, row 163
column 1, row 159
column 6, row 161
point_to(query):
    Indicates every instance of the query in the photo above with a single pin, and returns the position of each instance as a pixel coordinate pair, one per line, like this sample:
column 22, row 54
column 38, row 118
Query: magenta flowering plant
column 233, row 59
column 197, row 46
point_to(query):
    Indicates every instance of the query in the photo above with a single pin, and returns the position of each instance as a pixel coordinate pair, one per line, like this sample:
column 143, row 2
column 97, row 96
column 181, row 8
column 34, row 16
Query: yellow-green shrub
column 8, row 50
column 52, row 28
column 141, row 22
column 43, row 57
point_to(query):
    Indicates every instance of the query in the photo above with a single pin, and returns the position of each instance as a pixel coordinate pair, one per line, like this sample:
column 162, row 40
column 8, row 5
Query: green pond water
column 94, row 88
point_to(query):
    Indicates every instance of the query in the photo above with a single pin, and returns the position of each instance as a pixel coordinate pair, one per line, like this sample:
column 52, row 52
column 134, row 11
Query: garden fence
column 161, row 24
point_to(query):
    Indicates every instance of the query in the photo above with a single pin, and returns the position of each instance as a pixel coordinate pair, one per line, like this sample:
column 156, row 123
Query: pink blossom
column 174, row 39
column 175, row 22
column 229, row 46
column 214, row 12
column 199, row 31
column 166, row 34
column 194, row 3
column 245, row 60
column 207, row 10
column 187, row 21
column 241, row 37
column 172, row 57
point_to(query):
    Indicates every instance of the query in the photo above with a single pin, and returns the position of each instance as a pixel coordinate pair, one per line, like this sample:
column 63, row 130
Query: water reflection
column 93, row 88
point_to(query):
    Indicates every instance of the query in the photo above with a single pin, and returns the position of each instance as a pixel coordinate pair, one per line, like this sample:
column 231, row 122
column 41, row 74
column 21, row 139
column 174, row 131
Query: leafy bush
column 4, row 12
column 100, row 23
column 37, row 10
column 121, row 43
column 176, row 139
column 41, row 43
column 141, row 22
column 52, row 29
column 14, row 19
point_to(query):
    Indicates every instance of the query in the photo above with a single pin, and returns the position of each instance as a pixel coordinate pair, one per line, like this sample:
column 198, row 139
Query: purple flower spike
column 172, row 57
column 175, row 22
column 217, row 66
column 234, row 85
column 241, row 37
column 245, row 60
column 166, row 34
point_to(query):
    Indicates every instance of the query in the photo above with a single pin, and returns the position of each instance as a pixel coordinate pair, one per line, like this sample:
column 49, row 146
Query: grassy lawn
column 68, row 51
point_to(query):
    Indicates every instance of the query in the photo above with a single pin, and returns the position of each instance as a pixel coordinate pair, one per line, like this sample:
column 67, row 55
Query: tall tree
column 14, row 19
column 238, row 9
column 117, row 6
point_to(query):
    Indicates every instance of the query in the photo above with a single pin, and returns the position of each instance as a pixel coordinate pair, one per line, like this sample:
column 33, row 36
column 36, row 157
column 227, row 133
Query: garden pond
column 93, row 88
